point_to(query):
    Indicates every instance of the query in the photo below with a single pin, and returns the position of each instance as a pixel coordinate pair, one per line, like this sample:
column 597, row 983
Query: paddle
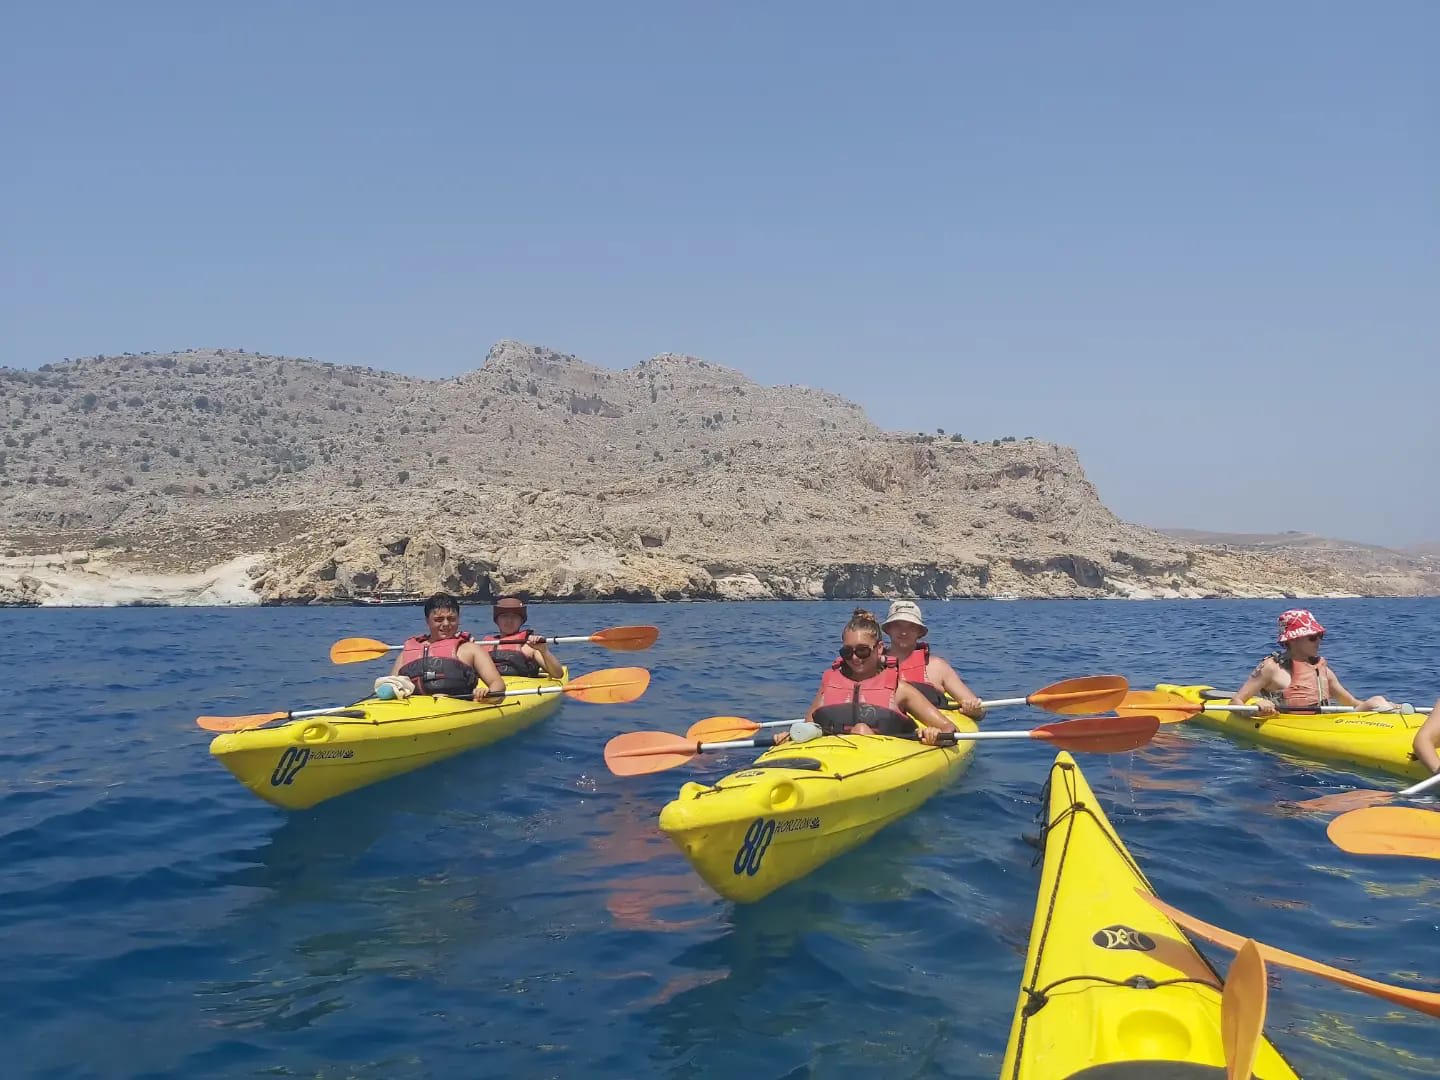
column 1172, row 708
column 1362, row 797
column 639, row 752
column 1242, row 1011
column 1070, row 697
column 1388, row 830
column 1424, row 1001
column 352, row 650
column 609, row 686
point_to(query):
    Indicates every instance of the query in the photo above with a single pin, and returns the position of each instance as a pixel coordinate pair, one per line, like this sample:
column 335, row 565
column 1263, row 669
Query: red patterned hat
column 1297, row 624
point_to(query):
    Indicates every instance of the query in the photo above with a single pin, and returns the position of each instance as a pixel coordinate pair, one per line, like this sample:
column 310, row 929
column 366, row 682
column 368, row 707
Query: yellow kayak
column 304, row 762
column 1383, row 742
column 800, row 805
column 1112, row 990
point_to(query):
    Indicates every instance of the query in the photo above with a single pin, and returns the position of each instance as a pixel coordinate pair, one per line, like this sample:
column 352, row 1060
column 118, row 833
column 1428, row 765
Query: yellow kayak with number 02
column 1112, row 990
column 1383, row 741
column 802, row 804
column 304, row 762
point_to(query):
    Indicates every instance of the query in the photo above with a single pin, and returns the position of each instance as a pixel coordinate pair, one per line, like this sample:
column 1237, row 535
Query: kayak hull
column 296, row 765
column 1100, row 997
column 1381, row 742
column 801, row 805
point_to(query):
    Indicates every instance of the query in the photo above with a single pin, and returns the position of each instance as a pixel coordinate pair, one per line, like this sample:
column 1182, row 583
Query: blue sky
column 1199, row 243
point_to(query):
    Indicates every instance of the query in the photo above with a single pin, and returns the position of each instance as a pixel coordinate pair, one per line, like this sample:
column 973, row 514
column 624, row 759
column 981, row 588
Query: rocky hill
column 675, row 478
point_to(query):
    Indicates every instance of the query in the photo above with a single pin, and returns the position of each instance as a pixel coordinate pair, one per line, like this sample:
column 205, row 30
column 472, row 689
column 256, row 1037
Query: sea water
column 515, row 911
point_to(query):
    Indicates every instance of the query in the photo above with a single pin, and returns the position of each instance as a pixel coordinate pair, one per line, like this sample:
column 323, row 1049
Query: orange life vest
column 1309, row 684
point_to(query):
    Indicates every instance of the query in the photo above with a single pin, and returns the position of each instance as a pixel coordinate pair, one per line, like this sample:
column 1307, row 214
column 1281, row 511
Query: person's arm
column 911, row 701
column 541, row 652
column 1427, row 740
column 395, row 667
column 819, row 699
column 1259, row 680
column 939, row 673
column 1345, row 697
column 490, row 678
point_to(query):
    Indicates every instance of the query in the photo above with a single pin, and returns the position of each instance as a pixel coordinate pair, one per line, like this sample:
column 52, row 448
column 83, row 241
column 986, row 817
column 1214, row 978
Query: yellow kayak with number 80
column 802, row 804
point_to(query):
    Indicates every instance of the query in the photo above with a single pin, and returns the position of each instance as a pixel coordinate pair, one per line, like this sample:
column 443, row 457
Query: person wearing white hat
column 918, row 665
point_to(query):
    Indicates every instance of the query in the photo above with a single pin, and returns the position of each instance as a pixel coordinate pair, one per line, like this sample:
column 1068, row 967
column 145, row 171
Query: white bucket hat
column 905, row 611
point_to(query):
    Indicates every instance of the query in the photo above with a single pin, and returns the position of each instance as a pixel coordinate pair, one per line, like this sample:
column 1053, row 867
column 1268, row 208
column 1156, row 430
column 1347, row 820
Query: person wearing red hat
column 1298, row 677
column 518, row 651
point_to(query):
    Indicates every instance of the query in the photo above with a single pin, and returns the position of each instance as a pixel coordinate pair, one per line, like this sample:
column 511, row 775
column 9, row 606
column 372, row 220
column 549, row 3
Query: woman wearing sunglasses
column 860, row 694
column 1297, row 677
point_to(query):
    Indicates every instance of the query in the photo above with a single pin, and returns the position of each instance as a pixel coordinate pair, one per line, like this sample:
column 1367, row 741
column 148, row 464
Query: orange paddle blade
column 239, row 723
column 1171, row 708
column 721, row 729
column 1100, row 734
column 352, row 650
column 610, row 686
column 1388, row 830
column 627, row 638
column 1242, row 1011
column 1423, row 1001
column 1071, row 697
column 638, row 752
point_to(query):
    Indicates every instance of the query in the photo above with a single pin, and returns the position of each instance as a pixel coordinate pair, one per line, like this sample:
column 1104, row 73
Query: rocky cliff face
column 539, row 473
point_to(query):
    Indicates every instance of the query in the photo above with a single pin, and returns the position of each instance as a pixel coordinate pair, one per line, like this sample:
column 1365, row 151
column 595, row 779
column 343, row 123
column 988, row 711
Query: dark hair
column 442, row 601
column 864, row 620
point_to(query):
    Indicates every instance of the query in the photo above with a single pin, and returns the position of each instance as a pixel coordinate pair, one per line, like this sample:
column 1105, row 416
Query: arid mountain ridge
column 539, row 473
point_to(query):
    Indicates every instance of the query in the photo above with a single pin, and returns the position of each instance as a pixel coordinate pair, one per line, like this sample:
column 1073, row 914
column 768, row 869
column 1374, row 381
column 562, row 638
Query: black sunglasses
column 862, row 651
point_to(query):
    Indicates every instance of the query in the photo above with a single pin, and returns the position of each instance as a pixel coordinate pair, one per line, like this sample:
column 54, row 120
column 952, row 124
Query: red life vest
column 509, row 656
column 867, row 701
column 912, row 668
column 433, row 668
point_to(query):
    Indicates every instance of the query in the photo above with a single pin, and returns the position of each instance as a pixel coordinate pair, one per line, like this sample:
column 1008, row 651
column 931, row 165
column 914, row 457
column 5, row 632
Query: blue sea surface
column 515, row 911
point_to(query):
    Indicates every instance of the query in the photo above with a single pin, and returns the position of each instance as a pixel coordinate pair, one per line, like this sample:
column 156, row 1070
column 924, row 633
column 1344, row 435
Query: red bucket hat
column 1297, row 624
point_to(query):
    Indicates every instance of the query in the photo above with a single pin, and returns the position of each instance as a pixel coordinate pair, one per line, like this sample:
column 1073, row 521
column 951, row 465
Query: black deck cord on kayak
column 1066, row 771
column 479, row 706
column 1039, row 998
column 841, row 776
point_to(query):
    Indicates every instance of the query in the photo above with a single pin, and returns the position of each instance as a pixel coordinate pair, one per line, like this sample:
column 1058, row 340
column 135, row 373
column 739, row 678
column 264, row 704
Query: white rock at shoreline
column 92, row 579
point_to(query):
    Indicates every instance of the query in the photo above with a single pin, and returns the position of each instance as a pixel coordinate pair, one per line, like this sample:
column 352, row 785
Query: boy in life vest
column 517, row 651
column 919, row 666
column 446, row 661
column 1297, row 677
column 1427, row 740
column 862, row 695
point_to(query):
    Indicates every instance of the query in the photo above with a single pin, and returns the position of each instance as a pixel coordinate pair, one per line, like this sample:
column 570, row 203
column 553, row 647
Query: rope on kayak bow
column 1039, row 998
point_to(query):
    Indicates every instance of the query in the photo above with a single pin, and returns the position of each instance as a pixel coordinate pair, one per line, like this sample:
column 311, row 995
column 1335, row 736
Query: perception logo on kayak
column 1123, row 938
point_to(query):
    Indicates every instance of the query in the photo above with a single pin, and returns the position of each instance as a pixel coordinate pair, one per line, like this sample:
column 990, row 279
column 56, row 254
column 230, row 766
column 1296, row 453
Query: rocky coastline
column 221, row 476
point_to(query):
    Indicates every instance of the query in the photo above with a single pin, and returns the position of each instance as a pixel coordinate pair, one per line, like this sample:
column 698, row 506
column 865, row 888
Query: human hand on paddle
column 616, row 638
column 609, row 686
column 1172, row 708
